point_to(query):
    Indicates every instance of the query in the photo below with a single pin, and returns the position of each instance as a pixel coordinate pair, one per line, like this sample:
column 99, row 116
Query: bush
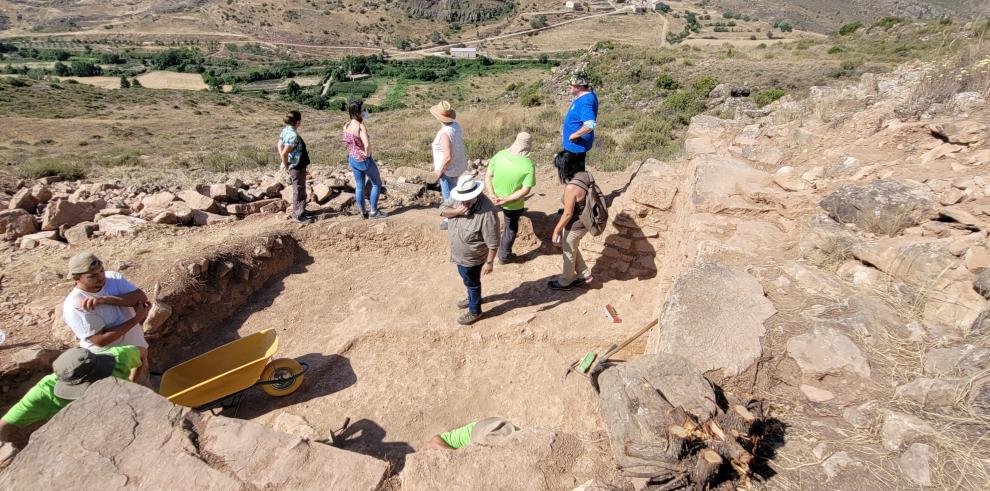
column 85, row 69
column 220, row 162
column 850, row 28
column 538, row 22
column 850, row 65
column 704, row 85
column 887, row 22
column 124, row 83
column 768, row 96
column 70, row 171
column 834, row 50
column 649, row 134
column 666, row 82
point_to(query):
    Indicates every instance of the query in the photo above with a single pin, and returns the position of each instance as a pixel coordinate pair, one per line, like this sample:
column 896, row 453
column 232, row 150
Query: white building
column 468, row 53
column 571, row 5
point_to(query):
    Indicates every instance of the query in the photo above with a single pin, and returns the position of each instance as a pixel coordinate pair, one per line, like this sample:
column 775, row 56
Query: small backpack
column 594, row 217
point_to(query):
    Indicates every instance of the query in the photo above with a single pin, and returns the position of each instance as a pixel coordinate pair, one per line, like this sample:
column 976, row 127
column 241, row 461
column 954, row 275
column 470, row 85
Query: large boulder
column 963, row 132
column 730, row 186
column 24, row 200
column 16, row 223
column 197, row 201
column 882, row 207
column 672, row 379
column 265, row 205
column 120, row 224
column 64, row 212
column 517, row 461
column 158, row 201
column 223, row 192
column 714, row 318
column 123, row 436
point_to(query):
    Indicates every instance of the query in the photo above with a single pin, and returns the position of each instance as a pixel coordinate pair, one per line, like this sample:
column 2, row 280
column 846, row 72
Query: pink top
column 355, row 147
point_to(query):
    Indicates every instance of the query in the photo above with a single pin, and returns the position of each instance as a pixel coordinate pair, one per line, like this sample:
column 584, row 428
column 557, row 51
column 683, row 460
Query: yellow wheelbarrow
column 218, row 378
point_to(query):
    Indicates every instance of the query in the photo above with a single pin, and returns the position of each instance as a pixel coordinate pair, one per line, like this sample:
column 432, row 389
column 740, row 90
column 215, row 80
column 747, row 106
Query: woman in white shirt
column 449, row 155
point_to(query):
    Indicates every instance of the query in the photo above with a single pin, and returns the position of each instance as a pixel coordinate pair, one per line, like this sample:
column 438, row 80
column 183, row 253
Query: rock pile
column 53, row 212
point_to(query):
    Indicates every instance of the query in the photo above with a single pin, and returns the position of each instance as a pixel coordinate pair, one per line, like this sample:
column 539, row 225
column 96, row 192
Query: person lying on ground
column 74, row 371
column 472, row 231
column 509, row 178
column 478, row 432
column 105, row 310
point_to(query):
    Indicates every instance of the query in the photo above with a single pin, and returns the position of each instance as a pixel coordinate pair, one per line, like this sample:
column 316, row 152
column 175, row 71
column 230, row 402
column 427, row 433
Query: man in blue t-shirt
column 578, row 131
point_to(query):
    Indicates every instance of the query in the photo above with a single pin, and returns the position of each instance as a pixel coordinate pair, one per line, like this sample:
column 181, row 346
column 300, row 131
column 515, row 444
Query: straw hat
column 491, row 427
column 521, row 146
column 467, row 188
column 444, row 112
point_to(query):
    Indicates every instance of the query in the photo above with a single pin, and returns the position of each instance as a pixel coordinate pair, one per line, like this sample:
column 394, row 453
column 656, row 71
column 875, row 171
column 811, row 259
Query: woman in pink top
column 359, row 157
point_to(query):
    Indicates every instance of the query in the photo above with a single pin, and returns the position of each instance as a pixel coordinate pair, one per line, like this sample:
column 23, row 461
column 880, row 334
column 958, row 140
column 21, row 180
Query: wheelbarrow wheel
column 282, row 369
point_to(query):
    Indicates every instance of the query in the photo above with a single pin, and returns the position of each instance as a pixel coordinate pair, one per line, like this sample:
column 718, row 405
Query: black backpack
column 594, row 217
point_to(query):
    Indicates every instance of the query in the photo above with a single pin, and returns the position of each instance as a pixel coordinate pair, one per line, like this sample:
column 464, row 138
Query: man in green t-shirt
column 510, row 177
column 75, row 370
column 477, row 432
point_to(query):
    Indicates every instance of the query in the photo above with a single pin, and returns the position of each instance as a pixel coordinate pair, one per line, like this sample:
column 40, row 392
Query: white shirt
column 85, row 324
column 458, row 161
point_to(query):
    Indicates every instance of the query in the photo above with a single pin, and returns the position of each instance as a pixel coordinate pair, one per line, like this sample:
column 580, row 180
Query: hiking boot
column 465, row 303
column 509, row 258
column 377, row 214
column 554, row 285
column 468, row 318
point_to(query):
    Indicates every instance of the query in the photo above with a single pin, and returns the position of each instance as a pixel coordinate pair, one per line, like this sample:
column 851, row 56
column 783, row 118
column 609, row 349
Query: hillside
column 829, row 15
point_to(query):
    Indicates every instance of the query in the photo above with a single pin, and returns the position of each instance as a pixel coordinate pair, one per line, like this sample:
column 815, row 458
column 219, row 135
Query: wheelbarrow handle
column 305, row 368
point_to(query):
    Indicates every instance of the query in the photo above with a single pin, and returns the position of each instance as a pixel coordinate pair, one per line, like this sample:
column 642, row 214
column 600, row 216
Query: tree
column 124, row 83
column 436, row 38
column 61, row 69
column 85, row 69
column 538, row 22
column 135, row 83
column 293, row 90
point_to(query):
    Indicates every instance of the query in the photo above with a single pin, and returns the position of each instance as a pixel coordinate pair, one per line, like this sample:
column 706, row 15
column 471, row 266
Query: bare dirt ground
column 379, row 327
column 376, row 323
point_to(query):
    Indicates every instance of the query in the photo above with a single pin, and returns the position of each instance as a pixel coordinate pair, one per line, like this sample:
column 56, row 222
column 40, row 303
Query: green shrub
column 768, row 96
column 124, row 158
column 254, row 156
column 850, row 28
column 220, row 162
column 538, row 21
column 666, row 82
column 887, row 22
column 649, row 134
column 834, row 50
column 850, row 65
column 70, row 171
column 704, row 85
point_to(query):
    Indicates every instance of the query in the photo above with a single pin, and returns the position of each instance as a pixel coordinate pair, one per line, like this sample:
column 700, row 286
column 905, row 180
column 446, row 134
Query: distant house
column 660, row 6
column 572, row 5
column 638, row 8
column 468, row 53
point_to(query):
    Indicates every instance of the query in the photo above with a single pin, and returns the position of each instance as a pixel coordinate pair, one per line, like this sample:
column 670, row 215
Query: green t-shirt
column 509, row 174
column 460, row 437
column 41, row 404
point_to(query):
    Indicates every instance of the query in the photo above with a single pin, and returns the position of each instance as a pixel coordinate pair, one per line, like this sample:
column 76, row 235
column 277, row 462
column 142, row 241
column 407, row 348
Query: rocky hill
column 829, row 15
column 459, row 10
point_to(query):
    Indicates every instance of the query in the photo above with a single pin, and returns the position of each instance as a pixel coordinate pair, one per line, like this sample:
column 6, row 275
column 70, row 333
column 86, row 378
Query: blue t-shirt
column 583, row 109
column 290, row 137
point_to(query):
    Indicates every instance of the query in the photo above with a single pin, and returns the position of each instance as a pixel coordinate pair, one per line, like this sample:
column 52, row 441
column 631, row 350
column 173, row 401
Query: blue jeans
column 472, row 281
column 361, row 169
column 446, row 184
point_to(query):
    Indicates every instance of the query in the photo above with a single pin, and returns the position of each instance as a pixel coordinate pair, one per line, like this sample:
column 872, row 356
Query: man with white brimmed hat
column 510, row 177
column 481, row 432
column 472, row 231
column 75, row 370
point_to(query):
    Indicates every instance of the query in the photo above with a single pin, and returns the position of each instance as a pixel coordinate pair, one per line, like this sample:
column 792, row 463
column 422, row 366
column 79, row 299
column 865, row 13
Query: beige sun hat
column 444, row 112
column 489, row 428
column 522, row 145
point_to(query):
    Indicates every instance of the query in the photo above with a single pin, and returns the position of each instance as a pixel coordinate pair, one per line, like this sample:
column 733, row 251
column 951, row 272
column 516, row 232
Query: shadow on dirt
column 367, row 437
column 327, row 374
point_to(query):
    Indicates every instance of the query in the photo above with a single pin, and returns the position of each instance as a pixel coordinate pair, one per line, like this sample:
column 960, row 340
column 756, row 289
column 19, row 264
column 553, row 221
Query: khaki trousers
column 574, row 266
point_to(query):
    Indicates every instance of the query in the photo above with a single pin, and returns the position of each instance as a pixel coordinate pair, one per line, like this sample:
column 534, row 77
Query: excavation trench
column 372, row 313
